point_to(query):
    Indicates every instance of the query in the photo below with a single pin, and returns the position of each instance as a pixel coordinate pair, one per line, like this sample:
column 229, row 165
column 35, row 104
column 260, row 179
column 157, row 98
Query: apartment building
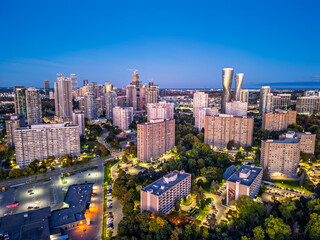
column 44, row 140
column 15, row 121
column 237, row 108
column 160, row 195
column 280, row 157
column 307, row 140
column 279, row 120
column 308, row 104
column 221, row 129
column 155, row 138
column 200, row 100
column 200, row 116
column 246, row 181
column 78, row 119
column 281, row 101
column 161, row 110
column 122, row 117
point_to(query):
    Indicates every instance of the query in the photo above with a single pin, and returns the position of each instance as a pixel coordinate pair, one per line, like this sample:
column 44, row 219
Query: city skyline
column 171, row 47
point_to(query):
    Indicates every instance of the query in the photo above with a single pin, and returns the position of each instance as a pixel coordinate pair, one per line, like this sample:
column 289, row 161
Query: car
column 36, row 207
column 37, row 202
column 30, row 191
column 109, row 228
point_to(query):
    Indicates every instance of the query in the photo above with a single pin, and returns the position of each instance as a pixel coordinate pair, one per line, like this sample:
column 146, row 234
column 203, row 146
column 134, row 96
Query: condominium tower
column 63, row 98
column 44, row 140
column 307, row 140
column 74, row 82
column 34, row 110
column 237, row 108
column 15, row 121
column 131, row 93
column 200, row 100
column 279, row 120
column 200, row 117
column 238, row 86
column 155, row 138
column 110, row 100
column 227, row 76
column 20, row 105
column 90, row 108
column 46, row 88
column 122, row 117
column 265, row 105
column 308, row 105
column 78, row 119
column 161, row 110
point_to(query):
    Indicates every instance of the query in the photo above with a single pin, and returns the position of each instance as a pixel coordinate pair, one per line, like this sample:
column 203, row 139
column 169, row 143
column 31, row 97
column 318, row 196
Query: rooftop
column 31, row 225
column 245, row 174
column 285, row 140
column 45, row 126
column 166, row 182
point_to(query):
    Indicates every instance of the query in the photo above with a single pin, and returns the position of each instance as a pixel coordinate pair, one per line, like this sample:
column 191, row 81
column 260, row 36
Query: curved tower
column 227, row 75
column 238, row 85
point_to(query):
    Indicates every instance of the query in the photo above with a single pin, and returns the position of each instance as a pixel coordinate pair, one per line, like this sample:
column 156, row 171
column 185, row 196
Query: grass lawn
column 203, row 213
column 188, row 201
column 290, row 184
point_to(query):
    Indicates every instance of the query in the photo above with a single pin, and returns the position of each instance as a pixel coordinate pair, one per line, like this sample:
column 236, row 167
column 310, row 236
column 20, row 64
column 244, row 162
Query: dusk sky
column 178, row 44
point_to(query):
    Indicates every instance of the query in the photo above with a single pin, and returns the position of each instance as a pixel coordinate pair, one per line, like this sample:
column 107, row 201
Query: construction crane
column 134, row 70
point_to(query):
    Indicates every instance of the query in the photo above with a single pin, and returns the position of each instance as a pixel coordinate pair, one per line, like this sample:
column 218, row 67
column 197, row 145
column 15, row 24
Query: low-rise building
column 160, row 195
column 246, row 181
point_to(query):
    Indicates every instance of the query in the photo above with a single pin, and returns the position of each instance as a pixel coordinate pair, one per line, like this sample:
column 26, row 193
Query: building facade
column 44, row 140
column 200, row 116
column 265, row 104
column 246, row 181
column 280, row 157
column 63, row 98
column 15, row 121
column 227, row 76
column 74, row 82
column 279, row 120
column 122, row 117
column 307, row 140
column 34, row 110
column 111, row 102
column 221, row 129
column 308, row 105
column 78, row 119
column 238, row 86
column 161, row 110
column 237, row 108
column 200, row 100
column 155, row 138
column 46, row 88
column 90, row 107
column 244, row 95
column 131, row 94
column 160, row 196
column 281, row 101
column 20, row 105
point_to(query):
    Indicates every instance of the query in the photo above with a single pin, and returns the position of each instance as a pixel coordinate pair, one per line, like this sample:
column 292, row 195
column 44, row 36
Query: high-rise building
column 51, row 95
column 246, row 181
column 244, row 95
column 20, row 105
column 155, row 138
column 308, row 105
column 132, row 96
column 201, row 114
column 74, row 82
column 237, row 108
column 90, row 108
column 150, row 84
column 227, row 75
column 281, row 101
column 221, row 129
column 200, row 100
column 63, row 98
column 238, row 86
column 100, row 107
column 46, row 88
column 85, row 82
column 151, row 96
column 160, row 196
column 122, row 101
column 280, row 157
column 111, row 102
column 44, row 140
column 265, row 105
column 161, row 110
column 15, row 121
column 34, row 110
column 307, row 140
column 279, row 120
column 123, row 91
column 122, row 117
column 108, row 86
column 310, row 93
column 78, row 119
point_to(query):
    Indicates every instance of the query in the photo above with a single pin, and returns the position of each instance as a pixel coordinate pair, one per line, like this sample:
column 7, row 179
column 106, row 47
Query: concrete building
column 34, row 110
column 44, row 140
column 265, row 104
column 131, row 94
column 308, row 105
column 111, row 102
column 200, row 100
column 307, row 140
column 244, row 95
column 160, row 195
column 161, row 110
column 200, row 116
column 90, row 108
column 63, row 98
column 151, row 95
column 280, row 157
column 227, row 76
column 279, row 120
column 85, row 82
column 281, row 101
column 122, row 117
column 237, row 108
column 74, row 82
column 246, row 181
column 221, row 129
column 20, row 105
column 78, row 119
column 310, row 93
column 16, row 121
column 122, row 101
column 46, row 88
column 238, row 86
column 155, row 138
column 51, row 95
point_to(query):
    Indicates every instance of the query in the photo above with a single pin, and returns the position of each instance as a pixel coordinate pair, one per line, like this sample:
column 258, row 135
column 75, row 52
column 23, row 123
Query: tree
column 16, row 172
column 276, row 228
column 124, row 159
column 314, row 205
column 211, row 220
column 128, row 207
column 177, row 203
column 287, row 207
column 230, row 145
column 200, row 195
column 110, row 234
column 258, row 233
column 313, row 226
column 214, row 186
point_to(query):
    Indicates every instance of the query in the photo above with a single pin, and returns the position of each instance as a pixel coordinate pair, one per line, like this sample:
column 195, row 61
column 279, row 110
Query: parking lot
column 281, row 193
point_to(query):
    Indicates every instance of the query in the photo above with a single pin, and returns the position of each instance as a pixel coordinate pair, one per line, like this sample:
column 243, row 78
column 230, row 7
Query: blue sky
column 175, row 43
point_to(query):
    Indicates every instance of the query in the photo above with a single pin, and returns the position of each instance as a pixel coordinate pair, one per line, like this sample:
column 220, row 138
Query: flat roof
column 254, row 172
column 161, row 186
column 78, row 198
column 31, row 225
column 285, row 140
